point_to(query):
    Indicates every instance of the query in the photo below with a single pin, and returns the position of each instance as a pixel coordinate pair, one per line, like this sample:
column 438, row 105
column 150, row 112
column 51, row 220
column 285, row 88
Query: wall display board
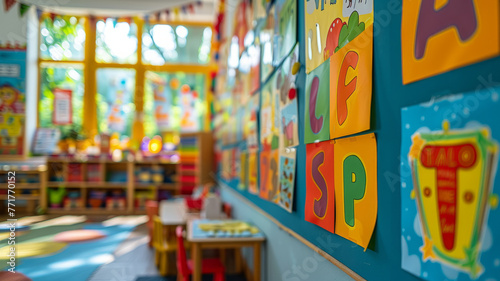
column 380, row 256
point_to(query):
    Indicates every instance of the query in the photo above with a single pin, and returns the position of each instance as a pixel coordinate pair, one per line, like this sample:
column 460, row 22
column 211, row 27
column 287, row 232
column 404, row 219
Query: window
column 164, row 86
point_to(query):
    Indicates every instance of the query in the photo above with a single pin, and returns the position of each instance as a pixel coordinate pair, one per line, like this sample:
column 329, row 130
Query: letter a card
column 317, row 111
column 356, row 188
column 351, row 86
column 320, row 193
column 439, row 36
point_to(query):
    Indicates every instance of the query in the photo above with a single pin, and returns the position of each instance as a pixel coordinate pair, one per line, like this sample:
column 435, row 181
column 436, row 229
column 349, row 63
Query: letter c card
column 356, row 188
column 320, row 197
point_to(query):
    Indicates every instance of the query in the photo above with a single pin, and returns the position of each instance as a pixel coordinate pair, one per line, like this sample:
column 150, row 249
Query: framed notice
column 62, row 107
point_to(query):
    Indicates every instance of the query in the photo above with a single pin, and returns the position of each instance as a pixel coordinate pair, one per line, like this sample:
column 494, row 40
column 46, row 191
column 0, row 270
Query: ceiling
column 204, row 12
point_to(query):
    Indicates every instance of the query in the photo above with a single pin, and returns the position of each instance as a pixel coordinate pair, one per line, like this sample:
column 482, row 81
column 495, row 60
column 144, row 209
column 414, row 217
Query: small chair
column 151, row 210
column 185, row 266
column 164, row 246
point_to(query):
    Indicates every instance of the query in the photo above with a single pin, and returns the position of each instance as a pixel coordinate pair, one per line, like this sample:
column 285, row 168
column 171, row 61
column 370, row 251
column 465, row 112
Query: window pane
column 68, row 77
column 173, row 102
column 116, row 42
column 115, row 103
column 163, row 43
column 62, row 38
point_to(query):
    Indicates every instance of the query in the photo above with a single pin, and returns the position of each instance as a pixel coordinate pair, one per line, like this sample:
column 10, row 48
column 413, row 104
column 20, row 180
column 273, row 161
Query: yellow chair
column 165, row 247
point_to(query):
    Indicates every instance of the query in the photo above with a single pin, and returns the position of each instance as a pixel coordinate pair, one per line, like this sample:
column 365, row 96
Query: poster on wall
column 190, row 116
column 62, row 107
column 317, row 107
column 269, row 115
column 449, row 192
column 12, row 101
column 162, row 105
column 331, row 25
column 320, row 190
column 439, row 36
column 251, row 124
column 287, row 178
column 253, row 171
column 356, row 188
column 285, row 29
column 287, row 91
column 266, row 39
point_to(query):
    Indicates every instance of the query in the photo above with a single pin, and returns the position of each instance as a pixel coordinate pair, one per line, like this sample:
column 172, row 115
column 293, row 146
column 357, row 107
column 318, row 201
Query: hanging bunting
column 8, row 4
column 199, row 3
column 38, row 13
column 23, row 8
column 52, row 16
column 191, row 8
column 176, row 12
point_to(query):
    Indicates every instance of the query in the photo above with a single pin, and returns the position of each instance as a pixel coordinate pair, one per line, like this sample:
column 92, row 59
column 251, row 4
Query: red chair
column 151, row 211
column 185, row 266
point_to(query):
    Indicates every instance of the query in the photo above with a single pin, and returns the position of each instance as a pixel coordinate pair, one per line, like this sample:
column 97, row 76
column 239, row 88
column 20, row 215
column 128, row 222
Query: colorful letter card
column 320, row 194
column 330, row 25
column 317, row 111
column 438, row 36
column 287, row 178
column 351, row 86
column 265, row 173
column 449, row 193
column 273, row 176
column 253, row 171
column 356, row 188
column 243, row 170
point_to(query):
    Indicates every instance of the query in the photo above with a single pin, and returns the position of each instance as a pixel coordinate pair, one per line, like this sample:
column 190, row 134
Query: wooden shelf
column 162, row 186
column 69, row 184
column 20, row 197
column 34, row 185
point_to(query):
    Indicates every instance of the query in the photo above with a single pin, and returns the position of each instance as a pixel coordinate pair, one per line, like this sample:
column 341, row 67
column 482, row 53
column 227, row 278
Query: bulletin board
column 382, row 259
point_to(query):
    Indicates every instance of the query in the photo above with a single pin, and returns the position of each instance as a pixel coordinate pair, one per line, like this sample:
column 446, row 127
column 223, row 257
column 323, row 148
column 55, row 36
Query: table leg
column 196, row 256
column 256, row 261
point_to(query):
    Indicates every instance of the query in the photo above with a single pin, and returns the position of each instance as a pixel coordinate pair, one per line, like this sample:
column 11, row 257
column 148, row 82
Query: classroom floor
column 130, row 259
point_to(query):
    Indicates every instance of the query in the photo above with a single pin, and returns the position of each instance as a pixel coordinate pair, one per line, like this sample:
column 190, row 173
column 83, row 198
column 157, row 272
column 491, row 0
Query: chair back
column 158, row 233
column 228, row 210
column 151, row 210
column 182, row 266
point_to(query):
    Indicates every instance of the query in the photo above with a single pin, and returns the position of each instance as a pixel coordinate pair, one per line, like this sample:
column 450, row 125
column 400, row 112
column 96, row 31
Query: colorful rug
column 205, row 277
column 43, row 259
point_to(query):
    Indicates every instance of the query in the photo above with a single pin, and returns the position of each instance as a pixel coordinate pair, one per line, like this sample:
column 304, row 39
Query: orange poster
column 351, row 86
column 438, row 36
column 273, row 176
column 252, row 171
column 265, row 163
column 356, row 188
column 320, row 194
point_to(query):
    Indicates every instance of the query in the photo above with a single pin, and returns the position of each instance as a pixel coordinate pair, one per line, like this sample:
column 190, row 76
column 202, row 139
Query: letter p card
column 356, row 188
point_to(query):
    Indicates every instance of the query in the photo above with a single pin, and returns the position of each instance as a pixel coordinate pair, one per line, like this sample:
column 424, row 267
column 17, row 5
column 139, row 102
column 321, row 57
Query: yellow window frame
column 90, row 67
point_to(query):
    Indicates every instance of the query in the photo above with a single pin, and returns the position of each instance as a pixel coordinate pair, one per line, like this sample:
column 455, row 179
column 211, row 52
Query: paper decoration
column 45, row 141
column 265, row 167
column 269, row 115
column 253, row 171
column 317, row 108
column 356, row 188
column 437, row 36
column 8, row 4
column 274, row 176
column 449, row 192
column 320, row 193
column 330, row 25
column 12, row 102
column 351, row 86
column 287, row 178
column 289, row 126
column 285, row 29
column 243, row 184
column 62, row 107
column 266, row 36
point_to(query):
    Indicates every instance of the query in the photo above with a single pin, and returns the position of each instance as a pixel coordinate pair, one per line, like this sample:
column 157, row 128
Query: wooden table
column 200, row 243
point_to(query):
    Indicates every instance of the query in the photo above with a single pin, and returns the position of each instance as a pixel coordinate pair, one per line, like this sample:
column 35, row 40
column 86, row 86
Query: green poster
column 317, row 112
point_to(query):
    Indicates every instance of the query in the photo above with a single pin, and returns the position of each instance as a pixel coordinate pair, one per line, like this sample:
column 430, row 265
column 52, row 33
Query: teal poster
column 449, row 193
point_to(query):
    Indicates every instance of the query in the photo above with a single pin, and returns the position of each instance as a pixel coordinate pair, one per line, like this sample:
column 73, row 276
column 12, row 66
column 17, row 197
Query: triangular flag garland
column 23, row 8
column 8, row 4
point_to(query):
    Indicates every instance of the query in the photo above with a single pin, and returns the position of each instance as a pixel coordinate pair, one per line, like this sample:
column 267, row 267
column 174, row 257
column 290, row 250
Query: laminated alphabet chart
column 439, row 36
column 449, row 193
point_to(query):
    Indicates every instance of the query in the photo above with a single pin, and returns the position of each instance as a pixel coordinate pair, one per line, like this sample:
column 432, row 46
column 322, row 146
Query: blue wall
column 383, row 261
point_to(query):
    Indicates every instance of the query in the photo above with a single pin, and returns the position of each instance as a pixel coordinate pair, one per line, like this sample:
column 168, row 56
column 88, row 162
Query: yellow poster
column 438, row 36
column 356, row 188
column 351, row 86
column 330, row 25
